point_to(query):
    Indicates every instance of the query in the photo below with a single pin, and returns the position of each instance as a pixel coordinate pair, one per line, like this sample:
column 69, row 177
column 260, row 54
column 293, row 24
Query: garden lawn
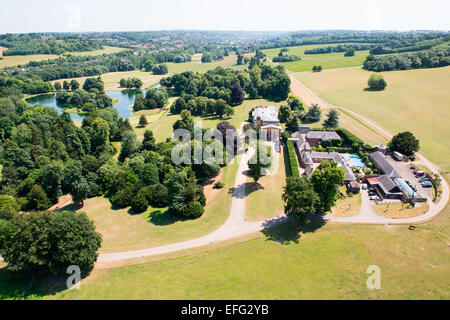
column 400, row 210
column 263, row 200
column 414, row 100
column 326, row 60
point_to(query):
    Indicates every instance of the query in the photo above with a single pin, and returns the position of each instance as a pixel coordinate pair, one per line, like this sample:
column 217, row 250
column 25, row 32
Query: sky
column 23, row 16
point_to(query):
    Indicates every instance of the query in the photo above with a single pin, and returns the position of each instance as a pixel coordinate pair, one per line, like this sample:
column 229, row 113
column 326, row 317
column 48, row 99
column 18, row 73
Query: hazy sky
column 115, row 15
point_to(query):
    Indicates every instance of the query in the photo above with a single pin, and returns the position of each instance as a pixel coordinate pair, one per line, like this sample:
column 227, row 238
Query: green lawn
column 196, row 65
column 9, row 61
column 112, row 79
column 326, row 60
column 263, row 199
column 414, row 100
column 305, row 263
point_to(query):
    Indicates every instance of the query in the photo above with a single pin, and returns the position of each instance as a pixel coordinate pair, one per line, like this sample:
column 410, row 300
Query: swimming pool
column 357, row 162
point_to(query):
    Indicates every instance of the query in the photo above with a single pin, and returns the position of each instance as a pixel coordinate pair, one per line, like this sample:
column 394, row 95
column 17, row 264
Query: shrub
column 139, row 202
column 219, row 185
column 376, row 82
column 194, row 209
column 292, row 159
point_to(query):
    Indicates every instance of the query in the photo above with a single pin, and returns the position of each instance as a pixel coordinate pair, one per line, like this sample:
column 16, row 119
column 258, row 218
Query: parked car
column 419, row 173
column 414, row 189
column 375, row 198
column 372, row 193
column 423, row 179
column 426, row 184
column 364, row 186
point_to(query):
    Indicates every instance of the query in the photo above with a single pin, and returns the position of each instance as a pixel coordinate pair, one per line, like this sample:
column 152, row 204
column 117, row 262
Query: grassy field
column 19, row 60
column 112, row 79
column 326, row 60
column 347, row 206
column 196, row 65
column 414, row 100
column 263, row 200
column 314, row 262
column 400, row 210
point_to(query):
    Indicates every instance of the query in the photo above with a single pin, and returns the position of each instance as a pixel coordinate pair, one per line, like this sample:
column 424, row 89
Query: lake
column 124, row 106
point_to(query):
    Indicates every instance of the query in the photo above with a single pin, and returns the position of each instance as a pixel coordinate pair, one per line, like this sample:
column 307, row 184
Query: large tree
column 299, row 198
column 237, row 94
column 404, row 142
column 325, row 179
column 259, row 162
column 49, row 241
column 332, row 120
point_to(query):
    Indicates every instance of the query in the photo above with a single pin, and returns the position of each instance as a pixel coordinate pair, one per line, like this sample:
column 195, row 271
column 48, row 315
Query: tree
column 160, row 69
column 350, row 52
column 284, row 114
column 79, row 191
column 229, row 111
column 332, row 120
column 299, row 198
column 376, row 82
column 186, row 122
column 37, row 198
column 57, row 86
column 237, row 94
column 74, row 85
column 50, row 241
column 220, row 107
column 240, row 59
column 8, row 207
column 405, row 143
column 148, row 143
column 66, row 85
column 94, row 83
column 325, row 179
column 313, row 115
column 143, row 121
column 129, row 145
column 292, row 124
column 258, row 163
column 139, row 202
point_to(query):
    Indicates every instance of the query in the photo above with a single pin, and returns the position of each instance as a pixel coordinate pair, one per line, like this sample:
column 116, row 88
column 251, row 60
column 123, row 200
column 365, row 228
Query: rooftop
column 380, row 161
column 266, row 114
column 323, row 135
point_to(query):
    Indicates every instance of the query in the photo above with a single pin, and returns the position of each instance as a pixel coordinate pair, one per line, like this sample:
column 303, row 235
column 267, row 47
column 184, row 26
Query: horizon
column 83, row 16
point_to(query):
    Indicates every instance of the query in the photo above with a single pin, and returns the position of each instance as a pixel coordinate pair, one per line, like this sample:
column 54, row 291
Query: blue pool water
column 357, row 162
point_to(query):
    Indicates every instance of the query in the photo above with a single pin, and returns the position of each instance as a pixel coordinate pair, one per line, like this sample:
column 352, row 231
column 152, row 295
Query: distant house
column 266, row 119
column 314, row 138
column 380, row 161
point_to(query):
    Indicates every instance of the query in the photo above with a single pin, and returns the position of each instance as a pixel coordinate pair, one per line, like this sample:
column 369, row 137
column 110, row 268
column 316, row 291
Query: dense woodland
column 23, row 44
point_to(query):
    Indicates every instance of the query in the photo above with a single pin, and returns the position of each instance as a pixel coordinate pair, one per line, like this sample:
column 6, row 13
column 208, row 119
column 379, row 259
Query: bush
column 139, row 202
column 194, row 209
column 219, row 185
column 156, row 195
column 376, row 82
column 292, row 159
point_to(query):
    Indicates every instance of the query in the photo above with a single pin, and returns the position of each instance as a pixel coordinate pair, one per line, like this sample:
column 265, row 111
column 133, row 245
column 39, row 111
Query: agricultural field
column 326, row 60
column 112, row 79
column 10, row 61
column 414, row 266
column 414, row 100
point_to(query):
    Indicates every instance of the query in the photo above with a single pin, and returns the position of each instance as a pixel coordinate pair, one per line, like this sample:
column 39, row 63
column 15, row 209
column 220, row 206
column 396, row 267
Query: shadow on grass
column 244, row 189
column 373, row 89
column 15, row 286
column 286, row 231
column 165, row 217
